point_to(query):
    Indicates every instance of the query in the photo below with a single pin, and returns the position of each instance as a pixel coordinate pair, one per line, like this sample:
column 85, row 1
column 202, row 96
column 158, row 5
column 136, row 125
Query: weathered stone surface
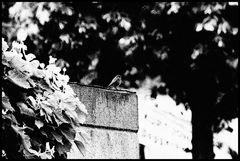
column 108, row 144
column 111, row 125
column 108, row 108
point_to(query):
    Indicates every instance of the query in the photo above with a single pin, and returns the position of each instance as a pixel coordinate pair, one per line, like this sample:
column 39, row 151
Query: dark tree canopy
column 193, row 46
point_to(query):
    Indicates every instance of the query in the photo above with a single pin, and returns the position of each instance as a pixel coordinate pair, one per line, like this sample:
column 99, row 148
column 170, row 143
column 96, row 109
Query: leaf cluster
column 41, row 114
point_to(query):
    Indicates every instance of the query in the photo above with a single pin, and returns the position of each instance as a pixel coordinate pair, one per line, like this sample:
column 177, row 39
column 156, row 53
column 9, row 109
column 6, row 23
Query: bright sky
column 165, row 129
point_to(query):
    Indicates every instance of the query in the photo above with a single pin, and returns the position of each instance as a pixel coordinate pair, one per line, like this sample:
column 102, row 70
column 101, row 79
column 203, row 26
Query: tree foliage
column 192, row 47
column 41, row 115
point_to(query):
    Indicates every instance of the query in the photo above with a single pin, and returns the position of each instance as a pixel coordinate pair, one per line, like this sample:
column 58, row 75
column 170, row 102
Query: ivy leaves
column 81, row 147
column 47, row 118
column 6, row 104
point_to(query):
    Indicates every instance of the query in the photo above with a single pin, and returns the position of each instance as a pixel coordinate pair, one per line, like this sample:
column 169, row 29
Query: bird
column 116, row 81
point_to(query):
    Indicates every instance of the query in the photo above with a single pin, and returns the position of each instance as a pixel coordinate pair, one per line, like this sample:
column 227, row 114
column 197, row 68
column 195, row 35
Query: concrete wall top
column 108, row 108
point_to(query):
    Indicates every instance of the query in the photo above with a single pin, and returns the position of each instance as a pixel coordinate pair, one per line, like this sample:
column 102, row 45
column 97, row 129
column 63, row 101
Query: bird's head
column 118, row 76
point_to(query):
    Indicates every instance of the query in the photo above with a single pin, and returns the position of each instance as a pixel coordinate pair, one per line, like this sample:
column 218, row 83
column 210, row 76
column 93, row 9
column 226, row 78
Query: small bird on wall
column 117, row 80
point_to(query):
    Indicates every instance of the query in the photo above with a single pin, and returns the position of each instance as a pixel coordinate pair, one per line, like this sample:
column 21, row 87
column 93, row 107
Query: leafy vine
column 41, row 114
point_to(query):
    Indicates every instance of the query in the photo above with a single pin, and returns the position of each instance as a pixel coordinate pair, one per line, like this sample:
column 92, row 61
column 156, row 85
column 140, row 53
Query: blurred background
column 181, row 58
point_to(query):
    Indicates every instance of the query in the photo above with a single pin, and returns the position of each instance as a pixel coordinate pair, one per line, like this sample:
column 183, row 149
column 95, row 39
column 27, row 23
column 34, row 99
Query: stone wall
column 111, row 125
